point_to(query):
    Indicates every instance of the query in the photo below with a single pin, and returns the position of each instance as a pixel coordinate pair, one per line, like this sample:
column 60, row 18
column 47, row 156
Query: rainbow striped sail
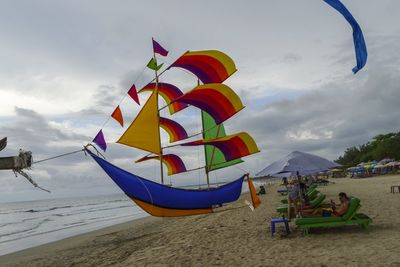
column 210, row 66
column 174, row 163
column 175, row 131
column 218, row 100
column 232, row 146
column 169, row 92
column 218, row 103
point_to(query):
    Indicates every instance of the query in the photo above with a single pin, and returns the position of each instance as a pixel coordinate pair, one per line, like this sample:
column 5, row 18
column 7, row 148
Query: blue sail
column 165, row 201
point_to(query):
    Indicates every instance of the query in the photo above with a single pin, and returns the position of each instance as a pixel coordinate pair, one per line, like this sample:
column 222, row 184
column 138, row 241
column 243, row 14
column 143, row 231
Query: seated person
column 285, row 182
column 262, row 190
column 309, row 181
column 334, row 210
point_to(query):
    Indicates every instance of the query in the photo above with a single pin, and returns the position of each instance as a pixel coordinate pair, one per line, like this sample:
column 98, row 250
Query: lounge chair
column 313, row 204
column 351, row 217
column 311, row 193
column 285, row 191
column 313, row 186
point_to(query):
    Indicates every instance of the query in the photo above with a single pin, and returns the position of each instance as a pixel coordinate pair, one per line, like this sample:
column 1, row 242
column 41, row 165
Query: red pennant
column 133, row 93
column 117, row 115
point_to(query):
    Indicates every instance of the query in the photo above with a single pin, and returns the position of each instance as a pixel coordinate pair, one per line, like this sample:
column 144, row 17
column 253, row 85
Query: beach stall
column 357, row 172
column 337, row 173
column 393, row 167
column 368, row 168
column 379, row 169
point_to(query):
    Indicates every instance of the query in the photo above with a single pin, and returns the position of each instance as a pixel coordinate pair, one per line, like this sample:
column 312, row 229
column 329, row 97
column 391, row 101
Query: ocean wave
column 26, row 230
column 70, row 206
column 65, row 228
column 17, row 222
column 90, row 210
column 48, row 209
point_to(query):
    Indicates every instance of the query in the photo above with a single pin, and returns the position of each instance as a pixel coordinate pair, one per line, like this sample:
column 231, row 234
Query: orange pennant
column 254, row 198
column 117, row 115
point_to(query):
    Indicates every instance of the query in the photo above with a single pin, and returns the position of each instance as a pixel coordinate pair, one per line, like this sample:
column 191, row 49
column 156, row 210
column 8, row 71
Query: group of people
column 297, row 195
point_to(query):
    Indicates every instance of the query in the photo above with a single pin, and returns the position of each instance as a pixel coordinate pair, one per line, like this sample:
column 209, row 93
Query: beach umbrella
column 385, row 161
column 368, row 166
column 3, row 143
column 378, row 166
column 297, row 161
column 392, row 164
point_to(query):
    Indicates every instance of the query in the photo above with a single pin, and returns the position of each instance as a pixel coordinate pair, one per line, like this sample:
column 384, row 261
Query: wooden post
column 158, row 119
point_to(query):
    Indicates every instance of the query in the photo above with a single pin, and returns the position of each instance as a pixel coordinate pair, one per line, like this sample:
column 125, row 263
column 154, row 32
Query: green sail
column 214, row 158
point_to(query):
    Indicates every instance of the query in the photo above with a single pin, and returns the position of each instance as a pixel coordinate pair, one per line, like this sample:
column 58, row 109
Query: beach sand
column 236, row 236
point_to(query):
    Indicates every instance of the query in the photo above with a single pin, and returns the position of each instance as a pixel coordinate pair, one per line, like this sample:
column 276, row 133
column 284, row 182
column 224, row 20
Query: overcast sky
column 65, row 65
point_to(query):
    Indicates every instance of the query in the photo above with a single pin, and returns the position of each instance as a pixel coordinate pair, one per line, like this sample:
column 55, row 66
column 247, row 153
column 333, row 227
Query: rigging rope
column 58, row 156
column 124, row 96
column 134, row 82
column 243, row 170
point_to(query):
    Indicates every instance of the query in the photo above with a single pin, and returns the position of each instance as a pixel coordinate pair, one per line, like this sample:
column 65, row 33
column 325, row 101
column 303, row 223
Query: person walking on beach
column 294, row 196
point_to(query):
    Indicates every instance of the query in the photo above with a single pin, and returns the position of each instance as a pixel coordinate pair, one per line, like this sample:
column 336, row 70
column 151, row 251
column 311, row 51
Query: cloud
column 291, row 58
column 31, row 131
column 332, row 117
column 294, row 75
column 35, row 132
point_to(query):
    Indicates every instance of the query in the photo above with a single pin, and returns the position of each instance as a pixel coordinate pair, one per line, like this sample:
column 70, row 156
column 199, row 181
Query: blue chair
column 279, row 220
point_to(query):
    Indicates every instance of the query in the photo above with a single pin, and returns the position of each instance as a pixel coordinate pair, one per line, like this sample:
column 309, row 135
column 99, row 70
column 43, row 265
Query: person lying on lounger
column 334, row 210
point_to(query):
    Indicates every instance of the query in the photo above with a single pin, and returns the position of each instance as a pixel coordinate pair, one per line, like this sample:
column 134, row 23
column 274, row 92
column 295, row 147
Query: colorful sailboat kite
column 217, row 103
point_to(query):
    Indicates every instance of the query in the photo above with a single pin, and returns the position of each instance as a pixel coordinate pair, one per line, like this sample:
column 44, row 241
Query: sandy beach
column 236, row 236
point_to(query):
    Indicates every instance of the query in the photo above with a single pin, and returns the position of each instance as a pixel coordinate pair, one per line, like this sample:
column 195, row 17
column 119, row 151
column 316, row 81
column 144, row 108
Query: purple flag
column 157, row 48
column 99, row 141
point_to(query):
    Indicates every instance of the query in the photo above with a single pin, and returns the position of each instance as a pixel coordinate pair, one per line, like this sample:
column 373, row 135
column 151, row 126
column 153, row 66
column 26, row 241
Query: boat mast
column 205, row 153
column 205, row 149
column 158, row 120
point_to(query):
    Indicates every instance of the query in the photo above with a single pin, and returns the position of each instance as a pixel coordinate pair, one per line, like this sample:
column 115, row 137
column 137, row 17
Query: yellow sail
column 144, row 132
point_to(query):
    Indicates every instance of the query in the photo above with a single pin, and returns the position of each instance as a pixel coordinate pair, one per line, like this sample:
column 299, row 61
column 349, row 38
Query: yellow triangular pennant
column 144, row 132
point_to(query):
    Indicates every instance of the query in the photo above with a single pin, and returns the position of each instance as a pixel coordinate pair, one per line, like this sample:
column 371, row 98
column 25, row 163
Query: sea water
column 32, row 223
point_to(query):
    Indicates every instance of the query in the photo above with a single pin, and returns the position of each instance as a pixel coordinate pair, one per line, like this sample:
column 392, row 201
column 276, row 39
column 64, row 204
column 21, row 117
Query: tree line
column 380, row 147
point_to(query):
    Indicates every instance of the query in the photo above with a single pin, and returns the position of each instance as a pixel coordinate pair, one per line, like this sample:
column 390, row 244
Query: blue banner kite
column 358, row 38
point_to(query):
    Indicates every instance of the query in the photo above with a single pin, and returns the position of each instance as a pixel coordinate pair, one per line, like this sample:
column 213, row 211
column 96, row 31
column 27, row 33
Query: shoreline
column 234, row 235
column 44, row 238
column 73, row 241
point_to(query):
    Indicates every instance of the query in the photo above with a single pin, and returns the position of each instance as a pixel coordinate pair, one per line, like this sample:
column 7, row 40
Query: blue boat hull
column 165, row 201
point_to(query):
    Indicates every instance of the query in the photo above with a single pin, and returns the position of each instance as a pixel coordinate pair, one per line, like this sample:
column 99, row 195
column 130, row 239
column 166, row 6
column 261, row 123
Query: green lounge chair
column 313, row 204
column 351, row 217
column 311, row 193
column 313, row 186
column 285, row 191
